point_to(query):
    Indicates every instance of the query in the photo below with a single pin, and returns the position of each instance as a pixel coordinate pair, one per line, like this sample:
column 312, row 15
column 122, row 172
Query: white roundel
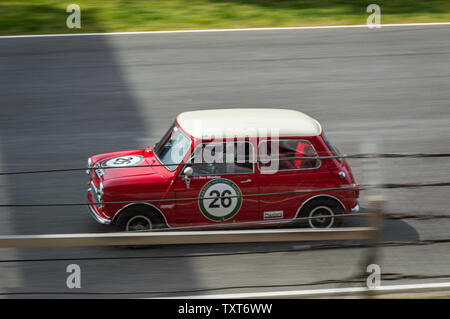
column 220, row 199
column 123, row 161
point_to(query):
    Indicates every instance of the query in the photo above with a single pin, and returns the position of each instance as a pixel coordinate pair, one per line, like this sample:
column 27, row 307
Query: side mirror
column 188, row 171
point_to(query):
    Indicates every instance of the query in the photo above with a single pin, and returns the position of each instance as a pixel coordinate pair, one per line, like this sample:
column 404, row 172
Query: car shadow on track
column 392, row 231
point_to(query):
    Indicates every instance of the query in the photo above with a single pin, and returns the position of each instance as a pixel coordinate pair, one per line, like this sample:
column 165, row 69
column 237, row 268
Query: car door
column 288, row 173
column 217, row 192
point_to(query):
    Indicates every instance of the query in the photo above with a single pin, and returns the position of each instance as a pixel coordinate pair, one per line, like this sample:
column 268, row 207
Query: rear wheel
column 322, row 213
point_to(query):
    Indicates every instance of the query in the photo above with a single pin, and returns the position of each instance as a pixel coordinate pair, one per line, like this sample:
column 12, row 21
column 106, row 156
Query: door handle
column 246, row 181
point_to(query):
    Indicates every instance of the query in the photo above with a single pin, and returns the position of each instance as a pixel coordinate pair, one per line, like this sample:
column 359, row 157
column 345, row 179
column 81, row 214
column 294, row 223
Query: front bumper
column 95, row 213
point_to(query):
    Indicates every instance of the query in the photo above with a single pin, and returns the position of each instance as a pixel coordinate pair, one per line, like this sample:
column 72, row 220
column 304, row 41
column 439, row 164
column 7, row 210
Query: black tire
column 329, row 208
column 140, row 218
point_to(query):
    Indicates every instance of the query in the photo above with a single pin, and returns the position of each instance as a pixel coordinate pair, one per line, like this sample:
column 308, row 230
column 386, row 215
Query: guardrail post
column 372, row 176
column 375, row 223
column 376, row 205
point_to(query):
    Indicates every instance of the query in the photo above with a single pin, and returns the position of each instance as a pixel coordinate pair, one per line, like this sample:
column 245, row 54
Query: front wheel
column 139, row 223
column 139, row 219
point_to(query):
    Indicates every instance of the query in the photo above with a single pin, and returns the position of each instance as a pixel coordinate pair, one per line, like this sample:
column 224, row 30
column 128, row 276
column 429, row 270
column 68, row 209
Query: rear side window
column 288, row 154
column 333, row 149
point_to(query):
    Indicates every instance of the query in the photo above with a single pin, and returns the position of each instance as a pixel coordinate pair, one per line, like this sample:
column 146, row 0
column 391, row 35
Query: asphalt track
column 63, row 99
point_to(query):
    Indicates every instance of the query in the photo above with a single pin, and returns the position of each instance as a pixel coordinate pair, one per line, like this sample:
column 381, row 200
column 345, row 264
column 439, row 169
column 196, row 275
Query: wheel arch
column 148, row 206
column 319, row 197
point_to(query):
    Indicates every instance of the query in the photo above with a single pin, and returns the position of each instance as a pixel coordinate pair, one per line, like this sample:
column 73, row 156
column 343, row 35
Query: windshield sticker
column 123, row 161
column 220, row 199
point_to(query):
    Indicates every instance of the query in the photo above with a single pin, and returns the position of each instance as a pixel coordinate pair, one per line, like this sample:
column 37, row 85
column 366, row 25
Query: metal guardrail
column 186, row 237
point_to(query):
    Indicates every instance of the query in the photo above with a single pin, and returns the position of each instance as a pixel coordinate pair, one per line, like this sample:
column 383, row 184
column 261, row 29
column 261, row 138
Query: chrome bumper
column 355, row 209
column 97, row 218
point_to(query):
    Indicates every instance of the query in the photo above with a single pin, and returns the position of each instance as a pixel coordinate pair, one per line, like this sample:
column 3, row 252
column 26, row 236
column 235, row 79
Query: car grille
column 95, row 196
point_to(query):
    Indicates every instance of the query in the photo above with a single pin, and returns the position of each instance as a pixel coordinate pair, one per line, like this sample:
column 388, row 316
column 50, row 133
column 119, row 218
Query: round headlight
column 89, row 165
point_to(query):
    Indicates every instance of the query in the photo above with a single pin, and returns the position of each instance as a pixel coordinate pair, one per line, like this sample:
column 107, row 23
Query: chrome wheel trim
column 330, row 216
column 144, row 225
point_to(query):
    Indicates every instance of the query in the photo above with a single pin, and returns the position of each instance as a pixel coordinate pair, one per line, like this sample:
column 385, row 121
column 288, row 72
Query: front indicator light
column 357, row 190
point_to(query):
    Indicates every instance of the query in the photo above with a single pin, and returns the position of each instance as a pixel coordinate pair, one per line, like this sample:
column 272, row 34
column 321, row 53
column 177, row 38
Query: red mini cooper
column 227, row 167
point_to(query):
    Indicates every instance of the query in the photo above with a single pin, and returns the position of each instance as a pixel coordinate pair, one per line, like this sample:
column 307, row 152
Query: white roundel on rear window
column 220, row 199
column 123, row 161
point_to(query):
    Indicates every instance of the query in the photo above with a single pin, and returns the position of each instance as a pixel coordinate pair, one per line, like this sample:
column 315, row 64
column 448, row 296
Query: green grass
column 49, row 16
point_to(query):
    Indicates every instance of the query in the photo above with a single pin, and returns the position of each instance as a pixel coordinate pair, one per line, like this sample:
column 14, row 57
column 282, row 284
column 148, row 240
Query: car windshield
column 172, row 148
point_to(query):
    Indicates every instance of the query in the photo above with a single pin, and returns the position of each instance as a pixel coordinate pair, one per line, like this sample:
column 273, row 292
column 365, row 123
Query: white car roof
column 222, row 123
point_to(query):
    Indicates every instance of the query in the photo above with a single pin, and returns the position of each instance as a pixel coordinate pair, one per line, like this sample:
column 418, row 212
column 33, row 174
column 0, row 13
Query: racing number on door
column 224, row 201
column 220, row 199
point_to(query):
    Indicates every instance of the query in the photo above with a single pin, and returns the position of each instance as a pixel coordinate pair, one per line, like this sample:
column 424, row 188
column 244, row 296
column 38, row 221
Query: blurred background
column 63, row 99
column 48, row 16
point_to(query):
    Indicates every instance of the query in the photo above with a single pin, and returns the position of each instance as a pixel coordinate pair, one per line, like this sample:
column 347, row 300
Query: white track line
column 316, row 292
column 220, row 30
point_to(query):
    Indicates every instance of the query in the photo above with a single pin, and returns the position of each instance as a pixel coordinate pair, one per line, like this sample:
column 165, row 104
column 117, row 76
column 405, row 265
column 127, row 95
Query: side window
column 288, row 154
column 334, row 150
column 223, row 158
